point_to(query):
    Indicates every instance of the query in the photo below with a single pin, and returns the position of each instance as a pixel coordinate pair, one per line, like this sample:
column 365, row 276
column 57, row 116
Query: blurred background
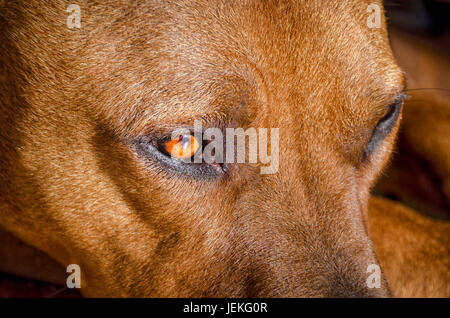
column 427, row 18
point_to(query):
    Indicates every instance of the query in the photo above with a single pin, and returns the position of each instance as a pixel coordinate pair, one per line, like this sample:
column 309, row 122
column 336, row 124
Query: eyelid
column 160, row 131
column 384, row 125
column 392, row 107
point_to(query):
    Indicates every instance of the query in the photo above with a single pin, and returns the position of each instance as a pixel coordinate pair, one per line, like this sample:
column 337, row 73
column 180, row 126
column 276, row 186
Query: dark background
column 428, row 19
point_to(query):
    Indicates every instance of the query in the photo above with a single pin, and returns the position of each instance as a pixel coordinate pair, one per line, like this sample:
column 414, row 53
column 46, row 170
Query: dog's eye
column 181, row 155
column 182, row 147
column 384, row 126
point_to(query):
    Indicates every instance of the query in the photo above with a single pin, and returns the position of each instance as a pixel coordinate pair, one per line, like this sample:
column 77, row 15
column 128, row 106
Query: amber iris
column 182, row 147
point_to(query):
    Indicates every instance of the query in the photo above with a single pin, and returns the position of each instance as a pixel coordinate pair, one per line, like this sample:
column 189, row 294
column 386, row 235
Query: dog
column 82, row 180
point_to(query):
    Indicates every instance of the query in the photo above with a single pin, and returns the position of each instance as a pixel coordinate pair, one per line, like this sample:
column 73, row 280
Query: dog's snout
column 320, row 248
column 315, row 279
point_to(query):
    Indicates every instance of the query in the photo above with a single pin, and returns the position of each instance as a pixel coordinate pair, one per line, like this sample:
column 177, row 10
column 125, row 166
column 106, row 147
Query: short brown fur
column 73, row 101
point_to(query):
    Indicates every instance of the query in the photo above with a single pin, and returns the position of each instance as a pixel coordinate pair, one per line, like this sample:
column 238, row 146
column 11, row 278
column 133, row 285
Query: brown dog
column 80, row 109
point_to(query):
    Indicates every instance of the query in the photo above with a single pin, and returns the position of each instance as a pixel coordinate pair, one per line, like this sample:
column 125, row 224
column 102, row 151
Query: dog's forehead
column 187, row 60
